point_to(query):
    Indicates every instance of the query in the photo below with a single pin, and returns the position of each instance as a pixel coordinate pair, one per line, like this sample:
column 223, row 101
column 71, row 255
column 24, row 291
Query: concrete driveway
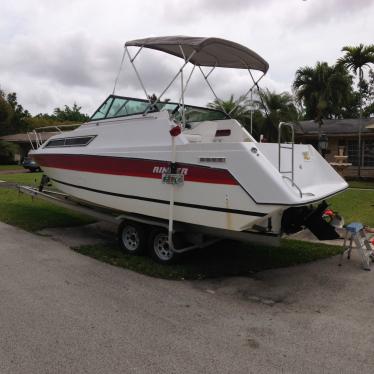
column 62, row 312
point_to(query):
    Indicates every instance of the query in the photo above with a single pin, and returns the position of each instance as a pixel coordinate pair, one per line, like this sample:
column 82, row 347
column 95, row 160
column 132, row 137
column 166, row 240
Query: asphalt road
column 62, row 312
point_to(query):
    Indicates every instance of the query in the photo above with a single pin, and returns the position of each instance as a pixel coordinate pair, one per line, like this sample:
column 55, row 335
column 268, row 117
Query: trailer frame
column 198, row 236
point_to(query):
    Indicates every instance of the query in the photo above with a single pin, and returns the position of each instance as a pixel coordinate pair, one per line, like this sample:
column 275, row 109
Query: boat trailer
column 136, row 231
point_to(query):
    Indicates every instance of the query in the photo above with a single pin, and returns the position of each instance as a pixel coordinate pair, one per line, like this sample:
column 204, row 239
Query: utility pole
column 360, row 126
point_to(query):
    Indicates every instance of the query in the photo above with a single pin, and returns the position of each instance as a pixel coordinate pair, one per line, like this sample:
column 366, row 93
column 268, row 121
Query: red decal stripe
column 132, row 167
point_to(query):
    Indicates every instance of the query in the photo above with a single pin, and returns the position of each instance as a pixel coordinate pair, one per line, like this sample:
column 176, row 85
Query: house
column 343, row 133
column 26, row 142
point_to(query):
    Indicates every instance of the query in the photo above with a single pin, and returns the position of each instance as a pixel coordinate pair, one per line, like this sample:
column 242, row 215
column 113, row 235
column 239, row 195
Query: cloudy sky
column 58, row 52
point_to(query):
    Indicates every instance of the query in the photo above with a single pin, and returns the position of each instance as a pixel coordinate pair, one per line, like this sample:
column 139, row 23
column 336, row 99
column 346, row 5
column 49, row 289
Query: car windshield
column 118, row 106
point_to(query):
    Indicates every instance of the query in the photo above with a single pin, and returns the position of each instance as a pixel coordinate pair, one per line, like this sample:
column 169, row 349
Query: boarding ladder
column 290, row 147
column 355, row 232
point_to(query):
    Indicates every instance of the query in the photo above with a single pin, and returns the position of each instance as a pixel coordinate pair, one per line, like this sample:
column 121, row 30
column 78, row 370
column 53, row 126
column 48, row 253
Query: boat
column 188, row 166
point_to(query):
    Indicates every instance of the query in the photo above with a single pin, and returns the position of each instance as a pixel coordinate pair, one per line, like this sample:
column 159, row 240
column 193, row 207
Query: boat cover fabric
column 209, row 51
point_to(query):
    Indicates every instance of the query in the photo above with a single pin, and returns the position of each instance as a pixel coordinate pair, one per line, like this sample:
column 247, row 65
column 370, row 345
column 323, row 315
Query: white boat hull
column 221, row 206
column 230, row 186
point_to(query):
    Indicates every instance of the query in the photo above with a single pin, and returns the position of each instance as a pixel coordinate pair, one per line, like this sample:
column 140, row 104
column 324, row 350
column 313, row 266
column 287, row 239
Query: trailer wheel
column 132, row 237
column 159, row 249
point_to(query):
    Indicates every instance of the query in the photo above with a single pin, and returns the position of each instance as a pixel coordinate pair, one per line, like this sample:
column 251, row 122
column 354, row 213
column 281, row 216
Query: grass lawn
column 355, row 206
column 10, row 167
column 24, row 178
column 32, row 215
column 361, row 184
column 237, row 259
column 223, row 259
column 226, row 258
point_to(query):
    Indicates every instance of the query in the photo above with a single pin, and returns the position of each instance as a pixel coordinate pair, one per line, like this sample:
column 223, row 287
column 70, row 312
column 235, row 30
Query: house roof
column 24, row 138
column 335, row 127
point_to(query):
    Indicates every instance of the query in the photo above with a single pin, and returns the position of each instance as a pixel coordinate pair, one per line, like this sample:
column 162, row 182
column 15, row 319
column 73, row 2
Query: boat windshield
column 119, row 106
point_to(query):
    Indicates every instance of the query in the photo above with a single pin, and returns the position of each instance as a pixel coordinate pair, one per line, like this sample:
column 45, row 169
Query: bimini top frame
column 200, row 52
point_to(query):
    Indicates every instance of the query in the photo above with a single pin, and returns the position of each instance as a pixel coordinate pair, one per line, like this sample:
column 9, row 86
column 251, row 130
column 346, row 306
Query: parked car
column 29, row 163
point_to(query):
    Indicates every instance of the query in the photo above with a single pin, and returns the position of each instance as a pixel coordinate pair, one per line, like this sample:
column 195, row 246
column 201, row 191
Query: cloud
column 54, row 53
column 192, row 10
column 71, row 60
column 329, row 11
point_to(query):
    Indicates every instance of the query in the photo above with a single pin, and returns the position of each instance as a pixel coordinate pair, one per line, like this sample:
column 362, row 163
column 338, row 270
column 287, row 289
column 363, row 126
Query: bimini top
column 208, row 51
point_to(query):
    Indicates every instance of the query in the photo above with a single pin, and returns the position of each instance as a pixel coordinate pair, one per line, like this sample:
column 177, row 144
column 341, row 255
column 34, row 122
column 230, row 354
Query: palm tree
column 272, row 109
column 323, row 90
column 355, row 59
column 276, row 108
column 237, row 109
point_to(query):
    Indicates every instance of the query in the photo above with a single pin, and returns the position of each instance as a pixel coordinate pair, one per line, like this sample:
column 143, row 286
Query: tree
column 241, row 111
column 355, row 59
column 12, row 115
column 324, row 91
column 238, row 109
column 368, row 95
column 272, row 108
column 17, row 108
column 276, row 108
column 72, row 114
column 15, row 119
column 5, row 114
column 7, row 152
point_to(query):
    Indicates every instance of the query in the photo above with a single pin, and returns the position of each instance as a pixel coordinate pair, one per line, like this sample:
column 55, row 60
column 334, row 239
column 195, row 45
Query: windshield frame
column 154, row 108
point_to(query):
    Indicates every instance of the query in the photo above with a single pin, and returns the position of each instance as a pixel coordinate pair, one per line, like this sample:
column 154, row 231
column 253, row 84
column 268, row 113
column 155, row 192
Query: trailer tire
column 158, row 247
column 132, row 237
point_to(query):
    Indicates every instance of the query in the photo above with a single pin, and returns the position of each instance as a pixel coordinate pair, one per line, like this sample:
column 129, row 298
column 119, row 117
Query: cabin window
column 118, row 106
column 197, row 114
column 125, row 107
column 55, row 143
column 103, row 110
column 78, row 141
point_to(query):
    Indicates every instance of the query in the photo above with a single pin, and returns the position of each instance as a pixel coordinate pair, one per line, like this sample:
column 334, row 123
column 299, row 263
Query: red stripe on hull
column 132, row 167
